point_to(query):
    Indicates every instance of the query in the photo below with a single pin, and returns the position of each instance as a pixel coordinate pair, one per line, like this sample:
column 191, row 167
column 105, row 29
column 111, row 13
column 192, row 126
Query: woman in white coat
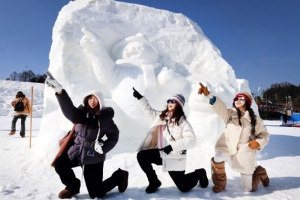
column 166, row 142
column 244, row 134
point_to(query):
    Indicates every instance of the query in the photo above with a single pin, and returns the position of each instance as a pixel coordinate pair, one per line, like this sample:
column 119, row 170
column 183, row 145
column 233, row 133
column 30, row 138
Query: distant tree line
column 281, row 91
column 28, row 76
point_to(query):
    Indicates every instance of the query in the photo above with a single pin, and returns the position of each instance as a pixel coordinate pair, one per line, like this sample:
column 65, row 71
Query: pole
column 31, row 117
column 267, row 101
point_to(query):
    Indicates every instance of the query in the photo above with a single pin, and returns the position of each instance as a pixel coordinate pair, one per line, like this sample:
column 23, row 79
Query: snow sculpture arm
column 102, row 64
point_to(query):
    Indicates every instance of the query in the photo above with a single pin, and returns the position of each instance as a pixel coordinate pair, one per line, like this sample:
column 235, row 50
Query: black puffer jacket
column 85, row 134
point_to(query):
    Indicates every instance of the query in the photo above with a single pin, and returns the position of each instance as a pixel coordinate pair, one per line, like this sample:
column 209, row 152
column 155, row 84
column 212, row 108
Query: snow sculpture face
column 136, row 47
column 139, row 50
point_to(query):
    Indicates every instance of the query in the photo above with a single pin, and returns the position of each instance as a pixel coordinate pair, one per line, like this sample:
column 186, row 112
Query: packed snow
column 113, row 46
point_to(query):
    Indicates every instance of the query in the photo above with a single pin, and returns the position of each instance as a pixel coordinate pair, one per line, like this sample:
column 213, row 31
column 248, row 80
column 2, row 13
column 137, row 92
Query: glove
column 254, row 145
column 136, row 94
column 203, row 90
column 166, row 149
column 98, row 146
column 51, row 82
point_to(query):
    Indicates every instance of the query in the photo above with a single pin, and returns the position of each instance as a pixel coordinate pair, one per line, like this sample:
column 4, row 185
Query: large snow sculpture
column 114, row 46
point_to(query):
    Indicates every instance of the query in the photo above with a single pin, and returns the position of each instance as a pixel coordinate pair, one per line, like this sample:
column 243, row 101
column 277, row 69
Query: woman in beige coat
column 20, row 114
column 244, row 134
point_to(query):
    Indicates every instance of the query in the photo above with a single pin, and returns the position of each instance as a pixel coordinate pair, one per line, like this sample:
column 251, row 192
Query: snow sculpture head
column 135, row 47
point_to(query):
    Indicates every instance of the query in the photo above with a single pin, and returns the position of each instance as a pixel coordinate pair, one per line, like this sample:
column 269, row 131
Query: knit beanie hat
column 179, row 98
column 246, row 95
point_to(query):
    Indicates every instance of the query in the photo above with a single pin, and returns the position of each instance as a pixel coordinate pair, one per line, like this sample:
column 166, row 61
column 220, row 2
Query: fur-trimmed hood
column 99, row 96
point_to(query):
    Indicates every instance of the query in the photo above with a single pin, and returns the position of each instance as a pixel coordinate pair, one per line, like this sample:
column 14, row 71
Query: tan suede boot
column 260, row 174
column 12, row 132
column 66, row 194
column 218, row 176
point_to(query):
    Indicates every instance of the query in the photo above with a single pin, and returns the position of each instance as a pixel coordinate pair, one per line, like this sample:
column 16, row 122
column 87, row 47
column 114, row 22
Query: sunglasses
column 239, row 99
column 171, row 101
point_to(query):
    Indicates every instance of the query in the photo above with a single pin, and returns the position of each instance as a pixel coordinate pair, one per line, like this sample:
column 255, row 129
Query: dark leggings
column 184, row 182
column 93, row 176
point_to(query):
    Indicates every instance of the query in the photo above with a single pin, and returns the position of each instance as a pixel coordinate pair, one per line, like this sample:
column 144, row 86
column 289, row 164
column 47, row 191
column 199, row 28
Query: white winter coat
column 183, row 134
column 235, row 139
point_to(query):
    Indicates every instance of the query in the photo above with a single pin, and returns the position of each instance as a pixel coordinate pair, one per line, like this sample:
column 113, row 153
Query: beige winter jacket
column 26, row 103
column 234, row 140
column 183, row 134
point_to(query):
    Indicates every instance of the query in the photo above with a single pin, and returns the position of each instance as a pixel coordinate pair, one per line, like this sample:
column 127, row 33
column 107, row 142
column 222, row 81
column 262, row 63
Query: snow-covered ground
column 25, row 173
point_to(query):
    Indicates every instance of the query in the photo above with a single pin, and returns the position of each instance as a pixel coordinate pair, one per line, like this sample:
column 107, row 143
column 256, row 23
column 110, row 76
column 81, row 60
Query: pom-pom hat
column 246, row 95
column 179, row 98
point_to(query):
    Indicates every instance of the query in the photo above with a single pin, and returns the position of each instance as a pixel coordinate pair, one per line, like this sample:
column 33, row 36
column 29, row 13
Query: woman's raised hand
column 136, row 94
column 53, row 83
column 203, row 90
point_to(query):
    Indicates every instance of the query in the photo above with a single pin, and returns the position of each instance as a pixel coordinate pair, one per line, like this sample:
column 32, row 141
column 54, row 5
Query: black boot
column 124, row 183
column 203, row 181
column 154, row 183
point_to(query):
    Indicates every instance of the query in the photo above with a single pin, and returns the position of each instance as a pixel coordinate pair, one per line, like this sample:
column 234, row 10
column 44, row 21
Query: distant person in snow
column 91, row 118
column 284, row 115
column 22, row 109
column 244, row 134
column 166, row 143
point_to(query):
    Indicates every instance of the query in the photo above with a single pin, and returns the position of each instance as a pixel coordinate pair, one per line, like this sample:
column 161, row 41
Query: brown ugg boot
column 218, row 176
column 66, row 194
column 260, row 174
column 12, row 132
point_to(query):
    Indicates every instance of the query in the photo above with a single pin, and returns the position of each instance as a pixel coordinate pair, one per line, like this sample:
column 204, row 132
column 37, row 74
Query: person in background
column 91, row 118
column 284, row 115
column 244, row 134
column 166, row 142
column 21, row 114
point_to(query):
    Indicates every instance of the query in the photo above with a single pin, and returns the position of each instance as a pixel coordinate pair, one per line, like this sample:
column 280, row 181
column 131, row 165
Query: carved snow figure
column 114, row 46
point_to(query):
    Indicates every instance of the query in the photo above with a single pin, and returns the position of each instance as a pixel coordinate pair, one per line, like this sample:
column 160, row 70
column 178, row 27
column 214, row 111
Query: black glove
column 166, row 149
column 136, row 94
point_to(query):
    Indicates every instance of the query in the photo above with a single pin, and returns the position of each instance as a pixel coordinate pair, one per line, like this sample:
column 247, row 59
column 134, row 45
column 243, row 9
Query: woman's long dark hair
column 177, row 114
column 251, row 113
column 90, row 113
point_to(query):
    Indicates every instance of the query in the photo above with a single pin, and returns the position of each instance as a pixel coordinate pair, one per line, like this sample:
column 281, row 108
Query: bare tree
column 14, row 76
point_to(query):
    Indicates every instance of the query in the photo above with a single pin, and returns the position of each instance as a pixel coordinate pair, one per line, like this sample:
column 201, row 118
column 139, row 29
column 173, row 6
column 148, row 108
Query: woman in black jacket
column 91, row 118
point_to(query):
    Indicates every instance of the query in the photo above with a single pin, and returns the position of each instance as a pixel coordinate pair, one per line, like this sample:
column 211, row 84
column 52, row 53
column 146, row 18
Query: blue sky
column 258, row 38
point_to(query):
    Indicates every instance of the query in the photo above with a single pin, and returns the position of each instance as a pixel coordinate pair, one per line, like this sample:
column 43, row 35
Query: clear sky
column 259, row 39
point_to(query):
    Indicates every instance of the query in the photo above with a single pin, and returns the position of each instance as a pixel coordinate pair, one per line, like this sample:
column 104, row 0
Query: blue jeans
column 13, row 123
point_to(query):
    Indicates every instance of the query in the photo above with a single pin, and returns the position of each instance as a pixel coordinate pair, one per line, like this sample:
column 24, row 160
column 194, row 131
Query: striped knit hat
column 179, row 98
